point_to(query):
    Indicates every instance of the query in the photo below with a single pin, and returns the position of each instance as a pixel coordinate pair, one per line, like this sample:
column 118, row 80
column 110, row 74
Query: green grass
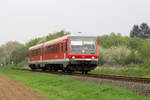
column 125, row 71
column 60, row 88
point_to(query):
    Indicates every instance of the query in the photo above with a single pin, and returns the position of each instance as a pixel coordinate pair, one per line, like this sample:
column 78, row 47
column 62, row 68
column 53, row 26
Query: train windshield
column 78, row 44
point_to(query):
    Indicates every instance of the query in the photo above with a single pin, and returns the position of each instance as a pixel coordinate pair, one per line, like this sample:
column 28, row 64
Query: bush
column 113, row 55
column 132, row 58
column 22, row 64
column 108, row 41
column 146, row 63
column 144, row 51
column 100, row 57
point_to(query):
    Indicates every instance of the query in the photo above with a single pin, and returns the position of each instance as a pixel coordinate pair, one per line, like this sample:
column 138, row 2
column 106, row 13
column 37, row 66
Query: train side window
column 62, row 47
column 33, row 53
column 39, row 51
column 52, row 49
column 45, row 50
column 57, row 48
column 65, row 46
column 29, row 54
column 49, row 50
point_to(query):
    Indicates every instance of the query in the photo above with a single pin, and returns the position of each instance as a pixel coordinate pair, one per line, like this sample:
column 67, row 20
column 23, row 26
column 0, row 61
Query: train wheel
column 86, row 72
column 55, row 69
column 63, row 70
column 43, row 69
column 68, row 70
column 50, row 69
column 82, row 71
column 33, row 69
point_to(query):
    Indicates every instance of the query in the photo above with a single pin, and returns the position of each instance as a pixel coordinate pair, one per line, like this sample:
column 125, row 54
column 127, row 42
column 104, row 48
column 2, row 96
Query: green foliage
column 144, row 51
column 101, row 60
column 132, row 58
column 23, row 63
column 56, row 35
column 146, row 63
column 60, row 88
column 6, row 50
column 113, row 55
column 117, row 40
column 33, row 42
column 112, row 40
column 19, row 55
column 1, row 51
column 135, row 43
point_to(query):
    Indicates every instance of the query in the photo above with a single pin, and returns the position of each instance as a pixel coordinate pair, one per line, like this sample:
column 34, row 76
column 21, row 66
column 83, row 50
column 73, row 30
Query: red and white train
column 68, row 53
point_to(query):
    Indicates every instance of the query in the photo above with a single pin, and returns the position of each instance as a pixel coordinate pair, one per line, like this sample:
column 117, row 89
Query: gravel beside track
column 12, row 90
column 139, row 88
column 139, row 85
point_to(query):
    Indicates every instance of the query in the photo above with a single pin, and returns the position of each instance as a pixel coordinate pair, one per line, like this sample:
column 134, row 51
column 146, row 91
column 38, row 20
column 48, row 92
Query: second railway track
column 102, row 76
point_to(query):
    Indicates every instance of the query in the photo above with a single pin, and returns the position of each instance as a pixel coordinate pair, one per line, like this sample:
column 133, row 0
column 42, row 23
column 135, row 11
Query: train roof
column 55, row 41
column 63, row 38
column 36, row 46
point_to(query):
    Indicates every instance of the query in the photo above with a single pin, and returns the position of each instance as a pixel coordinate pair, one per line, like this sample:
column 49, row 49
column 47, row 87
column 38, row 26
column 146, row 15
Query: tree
column 9, row 47
column 141, row 32
column 144, row 26
column 145, row 30
column 135, row 32
column 19, row 54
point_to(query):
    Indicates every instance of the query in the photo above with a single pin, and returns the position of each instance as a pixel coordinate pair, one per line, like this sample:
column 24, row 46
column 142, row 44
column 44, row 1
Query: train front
column 83, row 53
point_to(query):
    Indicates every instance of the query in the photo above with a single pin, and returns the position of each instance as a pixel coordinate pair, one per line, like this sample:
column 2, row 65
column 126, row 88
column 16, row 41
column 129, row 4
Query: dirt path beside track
column 12, row 90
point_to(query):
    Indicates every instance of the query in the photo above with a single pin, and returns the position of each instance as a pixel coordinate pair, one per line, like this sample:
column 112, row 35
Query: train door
column 41, row 57
column 65, row 49
column 62, row 50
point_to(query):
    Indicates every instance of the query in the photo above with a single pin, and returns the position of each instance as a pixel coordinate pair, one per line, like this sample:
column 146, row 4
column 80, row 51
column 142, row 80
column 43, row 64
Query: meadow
column 60, row 88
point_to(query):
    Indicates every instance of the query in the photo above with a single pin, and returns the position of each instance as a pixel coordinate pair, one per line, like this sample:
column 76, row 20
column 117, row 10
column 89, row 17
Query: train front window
column 77, row 44
column 82, row 44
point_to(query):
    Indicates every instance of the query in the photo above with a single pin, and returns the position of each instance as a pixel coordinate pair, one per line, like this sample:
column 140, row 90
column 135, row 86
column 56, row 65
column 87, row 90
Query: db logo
column 83, row 56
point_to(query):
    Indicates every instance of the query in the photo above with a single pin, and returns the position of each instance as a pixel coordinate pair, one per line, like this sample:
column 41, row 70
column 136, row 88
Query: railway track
column 100, row 76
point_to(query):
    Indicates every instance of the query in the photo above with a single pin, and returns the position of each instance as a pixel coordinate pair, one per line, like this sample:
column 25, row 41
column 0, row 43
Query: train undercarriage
column 81, row 66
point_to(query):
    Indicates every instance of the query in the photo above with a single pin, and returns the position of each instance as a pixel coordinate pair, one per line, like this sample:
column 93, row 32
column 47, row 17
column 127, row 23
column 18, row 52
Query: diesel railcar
column 68, row 53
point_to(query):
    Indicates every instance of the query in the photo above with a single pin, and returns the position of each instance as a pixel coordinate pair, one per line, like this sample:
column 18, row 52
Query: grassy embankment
column 124, row 71
column 60, row 88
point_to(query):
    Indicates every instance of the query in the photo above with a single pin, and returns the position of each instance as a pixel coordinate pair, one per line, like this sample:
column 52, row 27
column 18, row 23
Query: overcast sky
column 22, row 20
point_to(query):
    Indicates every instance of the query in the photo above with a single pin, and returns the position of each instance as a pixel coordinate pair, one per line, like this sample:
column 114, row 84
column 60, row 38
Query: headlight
column 73, row 57
column 93, row 57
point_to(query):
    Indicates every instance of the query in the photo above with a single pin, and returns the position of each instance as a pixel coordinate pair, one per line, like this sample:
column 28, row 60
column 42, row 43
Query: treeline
column 115, row 50
column 15, row 53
